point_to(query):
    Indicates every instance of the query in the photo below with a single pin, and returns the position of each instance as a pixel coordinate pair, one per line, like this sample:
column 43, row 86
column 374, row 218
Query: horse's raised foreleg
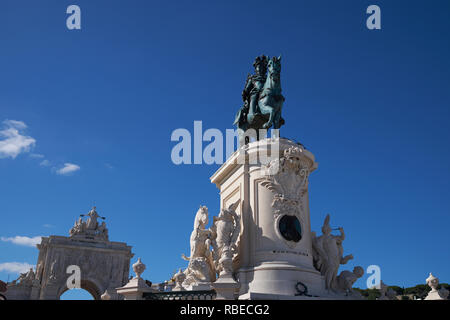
column 269, row 122
column 276, row 120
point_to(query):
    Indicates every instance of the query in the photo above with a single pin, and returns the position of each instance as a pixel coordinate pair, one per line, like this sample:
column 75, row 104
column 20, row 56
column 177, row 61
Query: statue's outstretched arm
column 345, row 259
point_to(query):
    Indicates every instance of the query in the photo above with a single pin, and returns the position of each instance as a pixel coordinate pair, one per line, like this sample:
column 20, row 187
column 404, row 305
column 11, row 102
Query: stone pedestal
column 275, row 245
column 226, row 287
column 134, row 289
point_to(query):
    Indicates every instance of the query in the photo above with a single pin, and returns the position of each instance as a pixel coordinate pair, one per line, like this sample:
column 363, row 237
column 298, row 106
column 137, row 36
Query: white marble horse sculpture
column 201, row 265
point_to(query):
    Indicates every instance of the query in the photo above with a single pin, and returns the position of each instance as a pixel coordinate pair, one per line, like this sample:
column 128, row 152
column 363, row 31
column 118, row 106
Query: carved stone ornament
column 225, row 239
column 138, row 268
column 435, row 293
column 91, row 228
column 328, row 254
column 287, row 178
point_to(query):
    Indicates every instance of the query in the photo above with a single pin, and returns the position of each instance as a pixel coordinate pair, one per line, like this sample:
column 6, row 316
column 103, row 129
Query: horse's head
column 201, row 218
column 274, row 66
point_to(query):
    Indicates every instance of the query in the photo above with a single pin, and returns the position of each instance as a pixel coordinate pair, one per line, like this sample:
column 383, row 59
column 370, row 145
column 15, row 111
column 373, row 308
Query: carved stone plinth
column 275, row 244
column 226, row 287
column 134, row 289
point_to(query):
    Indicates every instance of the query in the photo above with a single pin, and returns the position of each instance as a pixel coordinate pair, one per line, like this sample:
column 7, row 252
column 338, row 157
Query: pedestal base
column 226, row 288
column 281, row 279
column 270, row 296
column 134, row 289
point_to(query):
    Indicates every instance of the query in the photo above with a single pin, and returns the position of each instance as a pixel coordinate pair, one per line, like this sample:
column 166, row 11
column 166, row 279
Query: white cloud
column 12, row 141
column 47, row 225
column 36, row 155
column 15, row 267
column 23, row 241
column 68, row 168
column 15, row 124
column 44, row 163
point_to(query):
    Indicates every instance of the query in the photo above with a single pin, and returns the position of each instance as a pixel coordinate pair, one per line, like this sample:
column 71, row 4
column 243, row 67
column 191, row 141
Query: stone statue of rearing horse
column 266, row 111
column 201, row 265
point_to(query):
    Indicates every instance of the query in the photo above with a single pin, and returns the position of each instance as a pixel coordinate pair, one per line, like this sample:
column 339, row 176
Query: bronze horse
column 270, row 103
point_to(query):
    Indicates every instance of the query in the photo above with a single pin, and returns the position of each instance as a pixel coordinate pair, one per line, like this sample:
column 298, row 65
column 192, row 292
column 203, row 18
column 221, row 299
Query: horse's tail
column 184, row 257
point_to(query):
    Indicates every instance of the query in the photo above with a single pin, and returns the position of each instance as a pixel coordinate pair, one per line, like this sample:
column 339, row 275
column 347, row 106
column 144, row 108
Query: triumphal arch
column 103, row 264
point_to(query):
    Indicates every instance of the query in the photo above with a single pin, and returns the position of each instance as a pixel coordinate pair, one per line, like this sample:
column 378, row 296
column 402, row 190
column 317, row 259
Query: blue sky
column 373, row 106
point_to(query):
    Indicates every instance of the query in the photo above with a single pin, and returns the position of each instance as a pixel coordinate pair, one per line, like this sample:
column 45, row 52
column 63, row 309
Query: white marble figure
column 225, row 232
column 102, row 230
column 91, row 227
column 20, row 278
column 78, row 227
column 52, row 275
column 328, row 254
column 435, row 294
column 26, row 278
column 30, row 275
column 92, row 223
column 201, row 265
column 179, row 278
column 346, row 279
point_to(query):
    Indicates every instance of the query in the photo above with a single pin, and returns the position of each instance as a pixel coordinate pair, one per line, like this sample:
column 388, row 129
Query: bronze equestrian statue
column 262, row 97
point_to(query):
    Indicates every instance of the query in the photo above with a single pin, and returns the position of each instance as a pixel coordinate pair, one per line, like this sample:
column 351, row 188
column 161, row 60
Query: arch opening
column 76, row 294
column 88, row 291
